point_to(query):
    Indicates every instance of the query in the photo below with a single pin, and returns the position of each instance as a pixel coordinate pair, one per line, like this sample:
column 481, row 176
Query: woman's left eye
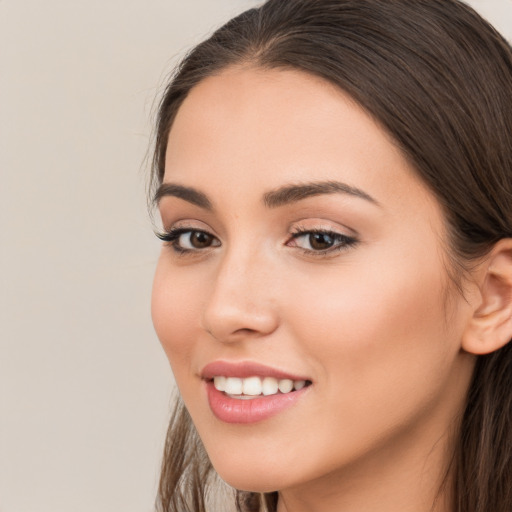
column 318, row 241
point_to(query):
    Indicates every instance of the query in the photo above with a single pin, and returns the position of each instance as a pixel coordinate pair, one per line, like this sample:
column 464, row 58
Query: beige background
column 84, row 385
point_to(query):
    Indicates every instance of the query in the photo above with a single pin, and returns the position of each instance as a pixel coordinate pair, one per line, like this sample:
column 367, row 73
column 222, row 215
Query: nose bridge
column 240, row 302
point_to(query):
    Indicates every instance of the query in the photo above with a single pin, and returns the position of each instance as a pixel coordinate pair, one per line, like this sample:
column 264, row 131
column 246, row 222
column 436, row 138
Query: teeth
column 233, row 386
column 299, row 384
column 270, row 386
column 285, row 385
column 255, row 386
column 252, row 386
column 219, row 383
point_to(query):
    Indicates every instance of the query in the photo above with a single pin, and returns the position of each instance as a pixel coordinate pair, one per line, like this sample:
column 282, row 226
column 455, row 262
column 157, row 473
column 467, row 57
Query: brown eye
column 199, row 239
column 320, row 241
column 189, row 240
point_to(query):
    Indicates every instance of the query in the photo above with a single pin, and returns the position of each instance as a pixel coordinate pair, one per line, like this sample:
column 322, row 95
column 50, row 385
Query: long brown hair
column 438, row 78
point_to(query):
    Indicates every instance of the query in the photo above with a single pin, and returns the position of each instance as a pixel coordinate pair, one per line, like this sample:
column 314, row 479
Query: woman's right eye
column 188, row 240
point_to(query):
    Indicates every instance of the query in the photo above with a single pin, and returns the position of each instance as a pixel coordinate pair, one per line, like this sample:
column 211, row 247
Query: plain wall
column 84, row 384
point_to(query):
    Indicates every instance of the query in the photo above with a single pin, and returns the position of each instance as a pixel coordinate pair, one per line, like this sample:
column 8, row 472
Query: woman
column 334, row 292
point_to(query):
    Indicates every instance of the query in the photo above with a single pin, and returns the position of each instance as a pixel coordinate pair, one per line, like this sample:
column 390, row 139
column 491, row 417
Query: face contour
column 307, row 246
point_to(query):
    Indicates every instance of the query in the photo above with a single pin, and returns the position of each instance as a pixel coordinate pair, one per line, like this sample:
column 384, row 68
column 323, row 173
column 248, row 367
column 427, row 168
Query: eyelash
column 172, row 236
column 343, row 242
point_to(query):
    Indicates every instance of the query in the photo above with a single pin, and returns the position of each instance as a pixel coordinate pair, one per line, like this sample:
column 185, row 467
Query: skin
column 377, row 326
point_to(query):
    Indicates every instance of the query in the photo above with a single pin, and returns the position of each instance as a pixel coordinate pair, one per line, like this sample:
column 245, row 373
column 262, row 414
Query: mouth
column 248, row 392
column 249, row 388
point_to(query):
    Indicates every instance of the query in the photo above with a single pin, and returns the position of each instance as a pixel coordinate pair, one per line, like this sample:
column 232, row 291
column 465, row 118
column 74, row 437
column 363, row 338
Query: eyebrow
column 293, row 193
column 186, row 193
column 272, row 199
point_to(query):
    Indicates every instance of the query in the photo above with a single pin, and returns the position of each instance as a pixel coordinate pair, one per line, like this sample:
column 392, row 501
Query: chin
column 251, row 479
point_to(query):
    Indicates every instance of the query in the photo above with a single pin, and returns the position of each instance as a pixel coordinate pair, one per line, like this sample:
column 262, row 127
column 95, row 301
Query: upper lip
column 244, row 369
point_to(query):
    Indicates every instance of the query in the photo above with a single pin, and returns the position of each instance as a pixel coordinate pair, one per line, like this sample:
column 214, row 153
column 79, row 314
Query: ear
column 490, row 327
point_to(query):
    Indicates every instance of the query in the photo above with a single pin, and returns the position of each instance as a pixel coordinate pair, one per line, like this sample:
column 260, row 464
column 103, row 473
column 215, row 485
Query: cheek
column 175, row 312
column 363, row 301
column 378, row 337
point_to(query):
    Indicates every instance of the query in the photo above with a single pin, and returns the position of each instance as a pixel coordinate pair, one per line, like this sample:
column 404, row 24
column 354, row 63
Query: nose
column 241, row 303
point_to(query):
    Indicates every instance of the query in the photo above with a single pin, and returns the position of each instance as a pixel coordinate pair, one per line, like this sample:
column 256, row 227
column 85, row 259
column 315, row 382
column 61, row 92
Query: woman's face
column 303, row 247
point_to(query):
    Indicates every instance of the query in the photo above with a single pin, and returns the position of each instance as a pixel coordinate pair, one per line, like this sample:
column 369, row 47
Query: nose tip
column 236, row 323
column 240, row 306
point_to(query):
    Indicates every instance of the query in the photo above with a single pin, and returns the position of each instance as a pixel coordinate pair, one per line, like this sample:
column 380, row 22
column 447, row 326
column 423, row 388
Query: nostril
column 245, row 331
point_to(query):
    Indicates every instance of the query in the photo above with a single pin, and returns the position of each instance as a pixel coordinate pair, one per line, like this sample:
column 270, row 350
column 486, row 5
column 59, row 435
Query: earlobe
column 490, row 327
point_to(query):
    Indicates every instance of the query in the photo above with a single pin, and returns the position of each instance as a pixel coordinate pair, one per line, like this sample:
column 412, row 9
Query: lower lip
column 232, row 410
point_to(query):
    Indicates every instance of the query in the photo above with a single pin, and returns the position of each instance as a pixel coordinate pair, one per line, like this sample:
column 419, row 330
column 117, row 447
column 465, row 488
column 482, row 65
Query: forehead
column 254, row 129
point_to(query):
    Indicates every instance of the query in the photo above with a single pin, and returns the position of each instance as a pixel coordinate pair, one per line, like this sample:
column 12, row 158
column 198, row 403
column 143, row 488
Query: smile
column 251, row 387
column 248, row 392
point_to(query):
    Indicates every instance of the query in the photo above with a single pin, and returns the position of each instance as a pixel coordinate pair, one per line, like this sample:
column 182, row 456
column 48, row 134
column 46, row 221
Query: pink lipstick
column 249, row 392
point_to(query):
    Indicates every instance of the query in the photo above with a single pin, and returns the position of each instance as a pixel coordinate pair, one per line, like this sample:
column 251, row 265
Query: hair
column 438, row 78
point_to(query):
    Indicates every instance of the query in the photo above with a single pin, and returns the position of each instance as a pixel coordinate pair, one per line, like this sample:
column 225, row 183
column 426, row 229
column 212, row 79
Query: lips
column 232, row 400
